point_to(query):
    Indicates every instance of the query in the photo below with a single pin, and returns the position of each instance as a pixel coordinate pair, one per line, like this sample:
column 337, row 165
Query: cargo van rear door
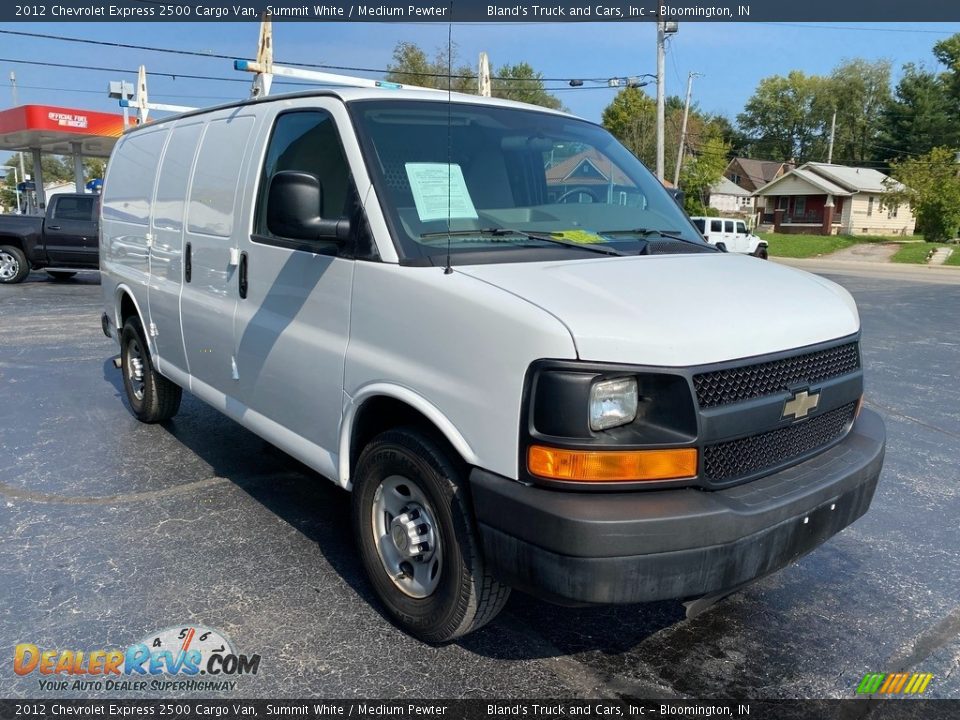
column 166, row 251
column 208, row 299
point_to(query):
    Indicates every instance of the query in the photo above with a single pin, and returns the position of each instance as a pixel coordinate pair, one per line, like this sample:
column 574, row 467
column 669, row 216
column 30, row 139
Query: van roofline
column 352, row 94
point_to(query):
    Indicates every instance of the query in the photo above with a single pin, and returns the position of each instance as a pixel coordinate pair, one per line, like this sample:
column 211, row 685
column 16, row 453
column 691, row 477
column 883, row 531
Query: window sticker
column 439, row 191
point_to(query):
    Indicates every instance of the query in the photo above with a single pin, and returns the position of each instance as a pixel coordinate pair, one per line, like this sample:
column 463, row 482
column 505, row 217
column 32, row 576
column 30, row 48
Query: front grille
column 722, row 387
column 747, row 456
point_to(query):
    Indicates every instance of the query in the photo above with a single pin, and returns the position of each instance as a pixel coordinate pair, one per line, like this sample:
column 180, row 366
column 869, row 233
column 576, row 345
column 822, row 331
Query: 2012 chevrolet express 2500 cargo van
column 494, row 326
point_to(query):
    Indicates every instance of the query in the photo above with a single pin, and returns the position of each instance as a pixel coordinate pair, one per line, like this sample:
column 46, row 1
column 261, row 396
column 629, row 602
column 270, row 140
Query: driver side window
column 306, row 141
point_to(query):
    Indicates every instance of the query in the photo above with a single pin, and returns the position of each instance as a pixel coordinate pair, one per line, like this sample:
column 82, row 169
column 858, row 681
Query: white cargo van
column 731, row 234
column 492, row 325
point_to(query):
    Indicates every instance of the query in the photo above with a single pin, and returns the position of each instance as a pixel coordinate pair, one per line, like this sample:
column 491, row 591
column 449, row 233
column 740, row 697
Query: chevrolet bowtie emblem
column 800, row 404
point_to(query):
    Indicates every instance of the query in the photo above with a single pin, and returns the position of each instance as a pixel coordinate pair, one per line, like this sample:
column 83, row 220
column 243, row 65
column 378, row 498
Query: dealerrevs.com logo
column 172, row 659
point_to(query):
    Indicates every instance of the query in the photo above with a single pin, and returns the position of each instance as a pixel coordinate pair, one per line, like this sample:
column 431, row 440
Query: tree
column 785, row 117
column 631, row 117
column 931, row 184
column 921, row 117
column 859, row 91
column 411, row 66
column 520, row 82
column 702, row 169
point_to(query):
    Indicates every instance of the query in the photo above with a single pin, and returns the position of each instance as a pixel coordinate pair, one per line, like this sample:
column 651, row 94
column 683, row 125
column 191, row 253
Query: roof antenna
column 448, row 269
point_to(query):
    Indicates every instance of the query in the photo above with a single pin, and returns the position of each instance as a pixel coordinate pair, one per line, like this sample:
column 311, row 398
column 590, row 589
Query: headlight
column 613, row 403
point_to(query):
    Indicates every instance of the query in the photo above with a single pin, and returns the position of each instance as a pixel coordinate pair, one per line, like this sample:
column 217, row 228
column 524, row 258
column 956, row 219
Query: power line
column 320, row 66
column 858, row 28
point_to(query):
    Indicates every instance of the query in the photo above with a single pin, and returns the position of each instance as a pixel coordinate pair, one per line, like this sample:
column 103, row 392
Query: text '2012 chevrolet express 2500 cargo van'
column 493, row 326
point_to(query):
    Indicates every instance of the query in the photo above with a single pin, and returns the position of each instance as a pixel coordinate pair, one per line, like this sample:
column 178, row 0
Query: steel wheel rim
column 135, row 369
column 407, row 537
column 9, row 266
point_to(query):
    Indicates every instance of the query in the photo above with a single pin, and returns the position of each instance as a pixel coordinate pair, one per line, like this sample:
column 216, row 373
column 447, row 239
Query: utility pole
column 683, row 128
column 16, row 102
column 483, row 76
column 661, row 39
column 833, row 132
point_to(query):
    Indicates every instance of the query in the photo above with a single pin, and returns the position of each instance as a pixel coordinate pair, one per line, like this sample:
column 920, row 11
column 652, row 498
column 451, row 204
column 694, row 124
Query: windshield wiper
column 499, row 232
column 654, row 232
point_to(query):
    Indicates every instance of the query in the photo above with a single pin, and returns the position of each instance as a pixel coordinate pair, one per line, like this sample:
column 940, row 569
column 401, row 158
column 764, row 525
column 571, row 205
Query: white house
column 730, row 199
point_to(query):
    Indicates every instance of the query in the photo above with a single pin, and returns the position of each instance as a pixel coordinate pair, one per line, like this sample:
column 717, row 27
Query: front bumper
column 641, row 546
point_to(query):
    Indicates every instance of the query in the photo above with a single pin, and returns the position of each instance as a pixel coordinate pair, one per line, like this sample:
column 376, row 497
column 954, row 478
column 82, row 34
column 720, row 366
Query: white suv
column 731, row 234
column 492, row 325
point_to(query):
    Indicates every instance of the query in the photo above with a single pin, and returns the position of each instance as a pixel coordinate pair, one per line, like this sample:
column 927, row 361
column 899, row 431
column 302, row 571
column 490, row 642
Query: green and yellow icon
column 894, row 683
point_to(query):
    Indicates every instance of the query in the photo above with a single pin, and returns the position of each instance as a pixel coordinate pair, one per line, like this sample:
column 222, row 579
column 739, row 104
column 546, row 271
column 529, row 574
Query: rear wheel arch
column 127, row 307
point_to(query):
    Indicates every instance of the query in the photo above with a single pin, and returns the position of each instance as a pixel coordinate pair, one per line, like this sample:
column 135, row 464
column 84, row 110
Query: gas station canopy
column 57, row 130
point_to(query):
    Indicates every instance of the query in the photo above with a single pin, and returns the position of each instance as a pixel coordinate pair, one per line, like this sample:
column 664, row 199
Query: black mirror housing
column 294, row 206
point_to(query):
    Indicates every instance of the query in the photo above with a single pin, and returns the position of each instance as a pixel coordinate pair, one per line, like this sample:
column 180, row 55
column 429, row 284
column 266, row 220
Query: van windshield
column 504, row 184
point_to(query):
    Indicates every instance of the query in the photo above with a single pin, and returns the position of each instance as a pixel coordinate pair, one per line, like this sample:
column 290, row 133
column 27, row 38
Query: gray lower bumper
column 642, row 546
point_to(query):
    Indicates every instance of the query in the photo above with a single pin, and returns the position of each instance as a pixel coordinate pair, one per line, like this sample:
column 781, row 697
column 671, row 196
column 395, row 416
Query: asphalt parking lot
column 112, row 530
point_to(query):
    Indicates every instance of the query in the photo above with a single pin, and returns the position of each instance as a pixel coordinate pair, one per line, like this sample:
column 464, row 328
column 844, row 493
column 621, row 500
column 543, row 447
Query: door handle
column 242, row 284
column 53, row 227
column 187, row 263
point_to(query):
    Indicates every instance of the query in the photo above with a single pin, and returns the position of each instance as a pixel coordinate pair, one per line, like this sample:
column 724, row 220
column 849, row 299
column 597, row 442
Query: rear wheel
column 152, row 397
column 13, row 265
column 415, row 531
column 60, row 274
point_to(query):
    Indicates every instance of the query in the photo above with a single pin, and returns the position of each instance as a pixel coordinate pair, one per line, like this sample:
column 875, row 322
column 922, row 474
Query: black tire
column 13, row 265
column 721, row 246
column 60, row 274
column 466, row 596
column 152, row 397
column 761, row 252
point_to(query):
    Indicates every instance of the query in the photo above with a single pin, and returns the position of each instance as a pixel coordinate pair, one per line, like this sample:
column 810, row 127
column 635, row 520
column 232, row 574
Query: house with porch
column 826, row 199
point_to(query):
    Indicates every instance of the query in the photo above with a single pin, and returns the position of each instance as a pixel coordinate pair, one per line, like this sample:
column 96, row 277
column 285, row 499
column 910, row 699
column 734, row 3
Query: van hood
column 680, row 310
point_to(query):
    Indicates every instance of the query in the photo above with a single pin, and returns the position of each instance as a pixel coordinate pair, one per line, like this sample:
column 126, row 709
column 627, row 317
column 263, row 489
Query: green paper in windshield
column 439, row 191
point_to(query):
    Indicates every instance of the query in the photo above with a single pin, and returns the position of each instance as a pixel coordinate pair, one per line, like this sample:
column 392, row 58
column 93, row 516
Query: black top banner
column 481, row 11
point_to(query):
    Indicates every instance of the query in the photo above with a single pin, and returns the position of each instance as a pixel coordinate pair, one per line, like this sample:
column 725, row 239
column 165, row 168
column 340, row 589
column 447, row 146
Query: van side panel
column 462, row 345
column 125, row 217
column 166, row 255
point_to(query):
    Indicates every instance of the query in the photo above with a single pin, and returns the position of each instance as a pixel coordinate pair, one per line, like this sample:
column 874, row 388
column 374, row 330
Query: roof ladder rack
column 265, row 70
column 140, row 101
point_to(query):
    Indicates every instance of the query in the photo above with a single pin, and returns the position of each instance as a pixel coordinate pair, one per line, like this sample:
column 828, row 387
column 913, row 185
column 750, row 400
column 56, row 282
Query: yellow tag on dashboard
column 578, row 236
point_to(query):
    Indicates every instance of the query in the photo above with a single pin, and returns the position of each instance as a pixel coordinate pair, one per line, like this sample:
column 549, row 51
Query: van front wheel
column 415, row 532
column 152, row 397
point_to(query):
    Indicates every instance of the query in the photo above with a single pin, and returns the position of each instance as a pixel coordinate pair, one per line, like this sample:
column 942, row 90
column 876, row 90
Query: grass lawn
column 805, row 246
column 917, row 253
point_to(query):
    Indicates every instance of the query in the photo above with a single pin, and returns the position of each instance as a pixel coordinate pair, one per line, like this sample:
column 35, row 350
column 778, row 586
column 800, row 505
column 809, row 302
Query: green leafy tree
column 631, row 117
column 948, row 53
column 921, row 117
column 932, row 188
column 521, row 82
column 702, row 169
column 412, row 66
column 785, row 117
column 859, row 90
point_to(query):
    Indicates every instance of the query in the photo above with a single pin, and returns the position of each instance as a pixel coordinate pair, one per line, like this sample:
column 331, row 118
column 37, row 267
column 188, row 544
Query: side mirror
column 294, row 203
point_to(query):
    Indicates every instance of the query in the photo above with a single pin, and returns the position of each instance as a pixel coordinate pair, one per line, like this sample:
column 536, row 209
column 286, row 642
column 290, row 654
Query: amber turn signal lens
column 611, row 465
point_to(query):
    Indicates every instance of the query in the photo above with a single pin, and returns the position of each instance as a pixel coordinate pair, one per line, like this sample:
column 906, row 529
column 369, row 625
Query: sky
column 730, row 57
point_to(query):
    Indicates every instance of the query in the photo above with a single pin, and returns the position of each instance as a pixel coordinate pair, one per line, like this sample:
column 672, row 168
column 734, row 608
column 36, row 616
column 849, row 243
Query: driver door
column 293, row 316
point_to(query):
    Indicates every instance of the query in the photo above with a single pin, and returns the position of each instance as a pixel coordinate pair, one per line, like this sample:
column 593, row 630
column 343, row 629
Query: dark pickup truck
column 62, row 242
